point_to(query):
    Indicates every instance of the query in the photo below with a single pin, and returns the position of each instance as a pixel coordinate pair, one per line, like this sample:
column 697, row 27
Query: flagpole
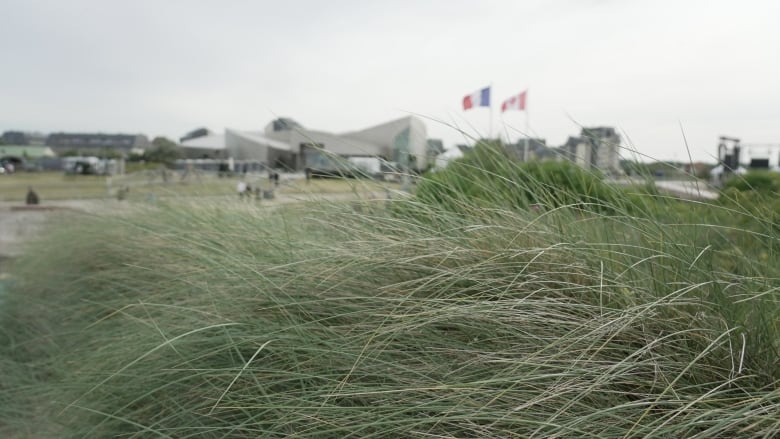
column 527, row 128
column 490, row 129
column 505, row 129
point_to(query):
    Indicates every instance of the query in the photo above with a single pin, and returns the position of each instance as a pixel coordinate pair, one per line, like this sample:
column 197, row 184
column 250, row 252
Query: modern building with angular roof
column 284, row 143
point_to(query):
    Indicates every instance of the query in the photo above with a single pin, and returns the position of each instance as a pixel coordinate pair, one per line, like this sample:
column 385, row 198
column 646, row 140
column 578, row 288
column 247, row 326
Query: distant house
column 96, row 143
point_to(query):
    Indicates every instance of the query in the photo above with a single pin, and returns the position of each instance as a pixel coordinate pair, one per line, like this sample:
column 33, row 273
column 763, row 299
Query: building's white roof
column 339, row 144
column 386, row 132
column 260, row 138
column 212, row 141
column 31, row 151
column 385, row 135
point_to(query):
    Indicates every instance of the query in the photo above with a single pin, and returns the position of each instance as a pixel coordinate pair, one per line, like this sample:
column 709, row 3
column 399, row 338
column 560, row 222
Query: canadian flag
column 516, row 102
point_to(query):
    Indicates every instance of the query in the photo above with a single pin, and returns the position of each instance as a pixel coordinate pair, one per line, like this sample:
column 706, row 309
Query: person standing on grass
column 32, row 197
column 241, row 188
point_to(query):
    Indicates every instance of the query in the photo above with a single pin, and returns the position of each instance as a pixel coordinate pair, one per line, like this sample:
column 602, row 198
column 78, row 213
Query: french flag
column 516, row 102
column 480, row 98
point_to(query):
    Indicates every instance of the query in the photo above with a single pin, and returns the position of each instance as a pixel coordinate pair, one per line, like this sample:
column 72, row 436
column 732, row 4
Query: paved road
column 688, row 189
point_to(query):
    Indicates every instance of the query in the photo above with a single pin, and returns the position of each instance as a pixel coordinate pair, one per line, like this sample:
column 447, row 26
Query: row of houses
column 78, row 142
column 38, row 151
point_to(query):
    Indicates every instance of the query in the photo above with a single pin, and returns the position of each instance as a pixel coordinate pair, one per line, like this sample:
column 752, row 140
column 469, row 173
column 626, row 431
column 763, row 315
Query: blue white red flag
column 480, row 98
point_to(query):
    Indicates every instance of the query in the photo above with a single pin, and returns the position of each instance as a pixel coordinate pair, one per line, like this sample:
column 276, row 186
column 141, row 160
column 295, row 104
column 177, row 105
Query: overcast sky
column 161, row 67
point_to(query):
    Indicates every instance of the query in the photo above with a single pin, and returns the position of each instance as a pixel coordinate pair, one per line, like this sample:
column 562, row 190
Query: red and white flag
column 516, row 102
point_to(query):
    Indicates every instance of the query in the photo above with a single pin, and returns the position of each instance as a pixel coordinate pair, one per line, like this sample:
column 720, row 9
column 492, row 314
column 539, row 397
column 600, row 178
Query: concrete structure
column 284, row 143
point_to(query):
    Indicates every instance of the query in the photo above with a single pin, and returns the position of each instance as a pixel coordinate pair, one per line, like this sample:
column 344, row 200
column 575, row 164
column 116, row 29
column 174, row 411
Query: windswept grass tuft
column 488, row 176
column 439, row 315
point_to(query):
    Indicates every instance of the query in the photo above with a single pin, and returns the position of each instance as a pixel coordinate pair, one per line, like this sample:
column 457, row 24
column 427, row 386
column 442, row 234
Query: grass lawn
column 51, row 186
column 58, row 186
column 334, row 186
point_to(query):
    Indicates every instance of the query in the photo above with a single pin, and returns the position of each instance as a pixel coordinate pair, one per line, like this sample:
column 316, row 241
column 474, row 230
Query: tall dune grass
column 448, row 314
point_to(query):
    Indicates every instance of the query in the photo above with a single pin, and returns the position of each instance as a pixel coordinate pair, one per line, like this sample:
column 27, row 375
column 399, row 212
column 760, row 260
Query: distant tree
column 759, row 181
column 163, row 151
column 136, row 157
